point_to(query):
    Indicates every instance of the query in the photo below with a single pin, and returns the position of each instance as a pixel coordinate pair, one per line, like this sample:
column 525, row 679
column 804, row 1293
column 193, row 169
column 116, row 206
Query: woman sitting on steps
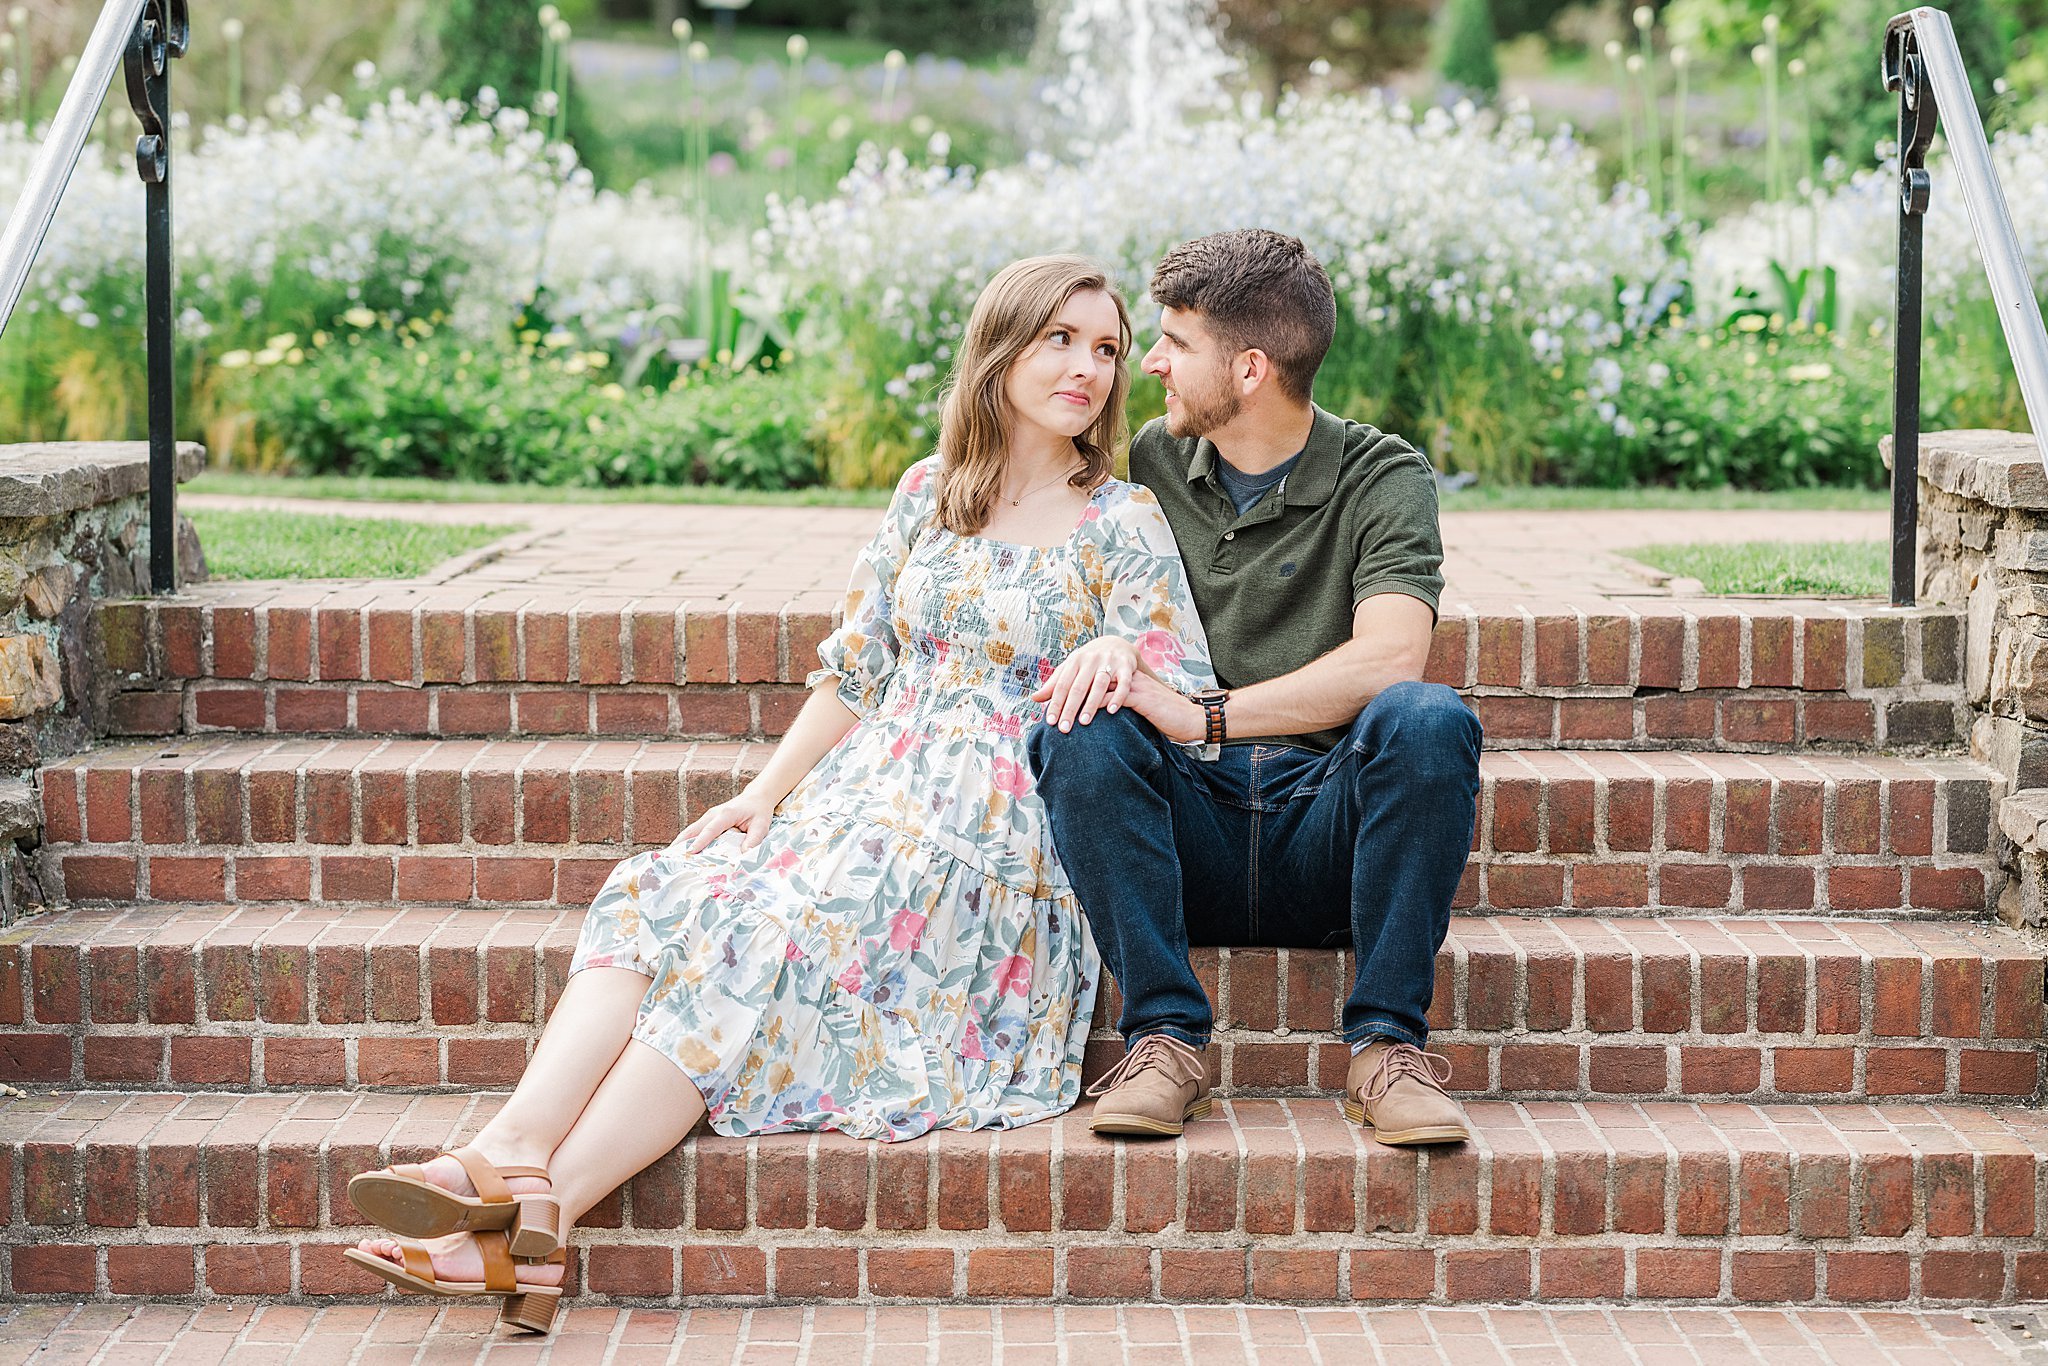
column 876, row 936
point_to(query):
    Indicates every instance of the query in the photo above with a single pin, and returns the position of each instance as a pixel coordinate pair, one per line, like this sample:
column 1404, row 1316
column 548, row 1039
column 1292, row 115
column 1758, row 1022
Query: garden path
column 800, row 555
column 1024, row 1336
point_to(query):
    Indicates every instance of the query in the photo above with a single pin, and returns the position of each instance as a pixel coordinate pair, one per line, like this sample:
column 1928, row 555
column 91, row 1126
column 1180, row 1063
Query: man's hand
column 1092, row 678
column 1175, row 715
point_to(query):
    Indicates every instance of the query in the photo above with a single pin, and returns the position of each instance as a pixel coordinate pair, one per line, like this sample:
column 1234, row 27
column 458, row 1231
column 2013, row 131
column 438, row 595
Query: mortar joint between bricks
column 1528, row 651
column 732, row 641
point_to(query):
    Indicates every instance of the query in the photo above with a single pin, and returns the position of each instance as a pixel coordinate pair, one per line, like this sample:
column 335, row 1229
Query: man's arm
column 1390, row 635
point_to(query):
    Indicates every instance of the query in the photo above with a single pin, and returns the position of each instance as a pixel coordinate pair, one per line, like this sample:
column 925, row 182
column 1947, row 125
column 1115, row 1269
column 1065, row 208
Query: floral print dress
column 903, row 952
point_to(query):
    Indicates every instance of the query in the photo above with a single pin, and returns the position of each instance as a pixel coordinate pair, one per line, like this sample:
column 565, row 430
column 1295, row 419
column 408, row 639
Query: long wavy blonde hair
column 974, row 420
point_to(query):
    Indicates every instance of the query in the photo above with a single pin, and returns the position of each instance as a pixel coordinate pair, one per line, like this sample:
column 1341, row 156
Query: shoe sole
column 420, row 1209
column 1139, row 1126
column 1436, row 1133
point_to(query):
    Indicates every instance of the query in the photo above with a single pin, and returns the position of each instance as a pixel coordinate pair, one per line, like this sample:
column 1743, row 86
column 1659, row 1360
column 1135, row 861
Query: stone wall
column 74, row 526
column 1984, row 546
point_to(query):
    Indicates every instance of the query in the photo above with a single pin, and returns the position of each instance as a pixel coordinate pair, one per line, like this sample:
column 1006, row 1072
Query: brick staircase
column 1723, row 985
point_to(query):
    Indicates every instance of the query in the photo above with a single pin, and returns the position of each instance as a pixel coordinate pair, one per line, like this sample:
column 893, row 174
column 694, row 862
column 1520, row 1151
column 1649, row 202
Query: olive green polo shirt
column 1276, row 586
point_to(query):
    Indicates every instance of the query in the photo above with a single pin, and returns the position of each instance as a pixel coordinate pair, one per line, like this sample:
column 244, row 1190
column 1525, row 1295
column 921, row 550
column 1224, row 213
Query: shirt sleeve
column 1144, row 591
column 862, row 653
column 1400, row 545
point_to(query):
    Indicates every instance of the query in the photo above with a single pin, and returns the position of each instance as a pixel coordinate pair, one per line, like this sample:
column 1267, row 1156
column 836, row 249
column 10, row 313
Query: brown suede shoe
column 1160, row 1085
column 1397, row 1091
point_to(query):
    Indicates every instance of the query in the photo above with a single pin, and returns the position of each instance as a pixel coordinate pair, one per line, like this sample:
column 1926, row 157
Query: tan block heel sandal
column 529, row 1308
column 402, row 1199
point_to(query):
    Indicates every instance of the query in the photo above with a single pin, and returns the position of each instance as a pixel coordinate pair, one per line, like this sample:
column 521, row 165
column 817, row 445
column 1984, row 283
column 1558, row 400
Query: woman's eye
column 1059, row 335
column 1106, row 351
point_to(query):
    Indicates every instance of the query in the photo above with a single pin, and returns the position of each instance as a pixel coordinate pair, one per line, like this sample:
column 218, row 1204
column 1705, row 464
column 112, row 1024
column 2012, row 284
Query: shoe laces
column 1405, row 1060
column 1159, row 1053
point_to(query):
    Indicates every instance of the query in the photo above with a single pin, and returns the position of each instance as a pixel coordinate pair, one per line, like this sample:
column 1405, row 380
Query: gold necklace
column 1040, row 489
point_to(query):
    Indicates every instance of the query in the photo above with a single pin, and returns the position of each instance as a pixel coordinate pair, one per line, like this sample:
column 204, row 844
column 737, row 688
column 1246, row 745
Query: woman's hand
column 749, row 813
column 1094, row 677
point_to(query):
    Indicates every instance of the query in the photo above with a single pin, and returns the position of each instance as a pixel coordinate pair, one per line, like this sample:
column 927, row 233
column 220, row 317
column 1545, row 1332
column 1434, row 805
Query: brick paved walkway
column 766, row 556
column 984, row 1336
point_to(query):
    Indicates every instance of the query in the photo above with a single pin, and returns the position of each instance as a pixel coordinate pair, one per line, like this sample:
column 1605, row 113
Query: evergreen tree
column 497, row 43
column 1465, row 49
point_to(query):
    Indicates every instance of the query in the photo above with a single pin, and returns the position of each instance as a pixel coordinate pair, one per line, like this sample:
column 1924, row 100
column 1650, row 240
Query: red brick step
column 391, row 660
column 542, row 822
column 431, row 998
column 1269, row 1201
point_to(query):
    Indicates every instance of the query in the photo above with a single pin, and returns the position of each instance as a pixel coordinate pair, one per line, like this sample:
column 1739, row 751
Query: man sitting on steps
column 1324, row 793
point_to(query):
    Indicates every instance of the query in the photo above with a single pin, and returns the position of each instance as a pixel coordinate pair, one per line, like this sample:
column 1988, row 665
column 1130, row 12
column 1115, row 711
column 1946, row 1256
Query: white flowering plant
column 1852, row 226
column 1467, row 252
column 416, row 208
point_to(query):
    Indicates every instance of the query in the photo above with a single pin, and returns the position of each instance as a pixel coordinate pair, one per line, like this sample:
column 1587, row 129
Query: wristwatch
column 1215, row 731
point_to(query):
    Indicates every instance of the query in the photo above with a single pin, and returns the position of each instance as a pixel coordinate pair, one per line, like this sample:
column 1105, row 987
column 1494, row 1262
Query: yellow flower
column 233, row 360
column 359, row 317
column 283, row 341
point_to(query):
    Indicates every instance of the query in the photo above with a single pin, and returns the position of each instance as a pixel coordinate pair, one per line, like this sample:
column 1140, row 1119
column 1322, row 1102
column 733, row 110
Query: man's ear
column 1254, row 371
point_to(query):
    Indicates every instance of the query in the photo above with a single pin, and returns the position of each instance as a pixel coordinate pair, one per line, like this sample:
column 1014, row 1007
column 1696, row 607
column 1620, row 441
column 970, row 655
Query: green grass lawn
column 1803, row 568
column 298, row 545
column 1546, row 499
column 1550, row 498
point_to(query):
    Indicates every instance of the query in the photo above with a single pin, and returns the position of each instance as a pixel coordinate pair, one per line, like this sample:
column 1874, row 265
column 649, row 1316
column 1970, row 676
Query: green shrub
column 1852, row 111
column 1754, row 406
column 410, row 401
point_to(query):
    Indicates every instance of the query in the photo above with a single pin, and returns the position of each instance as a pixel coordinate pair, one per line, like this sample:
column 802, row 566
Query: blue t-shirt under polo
column 1245, row 490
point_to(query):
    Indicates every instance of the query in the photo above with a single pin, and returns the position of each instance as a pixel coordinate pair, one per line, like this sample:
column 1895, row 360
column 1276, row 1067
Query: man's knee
column 1426, row 724
column 1091, row 755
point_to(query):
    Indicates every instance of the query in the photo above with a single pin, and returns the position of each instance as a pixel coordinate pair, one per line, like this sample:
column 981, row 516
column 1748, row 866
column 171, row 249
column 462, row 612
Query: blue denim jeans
column 1269, row 845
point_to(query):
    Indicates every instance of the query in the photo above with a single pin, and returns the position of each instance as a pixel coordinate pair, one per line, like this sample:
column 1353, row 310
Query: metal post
column 1903, row 72
column 160, row 35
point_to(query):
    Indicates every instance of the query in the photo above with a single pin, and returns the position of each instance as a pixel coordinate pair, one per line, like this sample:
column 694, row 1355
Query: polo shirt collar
column 1312, row 481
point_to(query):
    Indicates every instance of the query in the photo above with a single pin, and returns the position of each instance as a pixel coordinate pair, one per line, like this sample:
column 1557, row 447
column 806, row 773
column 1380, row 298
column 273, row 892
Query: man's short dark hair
column 1256, row 290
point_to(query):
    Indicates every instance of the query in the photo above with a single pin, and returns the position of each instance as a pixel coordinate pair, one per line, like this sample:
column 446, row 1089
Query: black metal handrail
column 143, row 36
column 1924, row 65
